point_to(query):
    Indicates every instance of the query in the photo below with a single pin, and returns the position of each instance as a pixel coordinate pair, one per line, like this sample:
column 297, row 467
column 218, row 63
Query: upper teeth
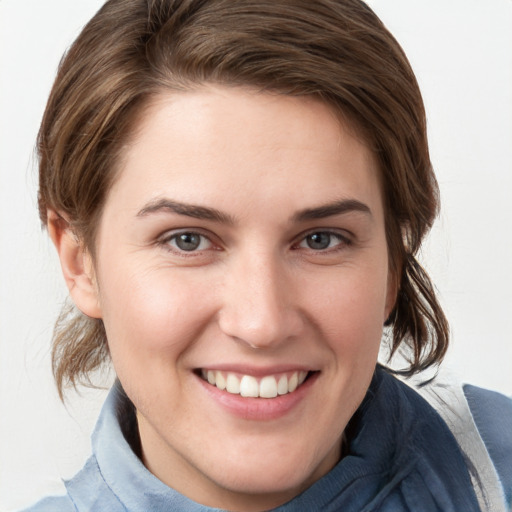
column 248, row 386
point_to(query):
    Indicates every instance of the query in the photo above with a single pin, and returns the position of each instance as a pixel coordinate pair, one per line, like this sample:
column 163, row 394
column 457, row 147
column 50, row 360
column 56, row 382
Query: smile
column 269, row 386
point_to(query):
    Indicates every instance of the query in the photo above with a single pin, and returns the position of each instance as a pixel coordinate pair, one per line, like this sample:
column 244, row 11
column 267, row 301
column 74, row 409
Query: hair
column 335, row 50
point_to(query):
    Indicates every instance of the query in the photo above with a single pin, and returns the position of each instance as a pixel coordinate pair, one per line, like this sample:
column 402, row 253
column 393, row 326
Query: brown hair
column 336, row 50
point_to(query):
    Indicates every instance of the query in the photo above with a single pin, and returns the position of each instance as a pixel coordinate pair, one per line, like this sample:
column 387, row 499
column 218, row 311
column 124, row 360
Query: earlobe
column 76, row 265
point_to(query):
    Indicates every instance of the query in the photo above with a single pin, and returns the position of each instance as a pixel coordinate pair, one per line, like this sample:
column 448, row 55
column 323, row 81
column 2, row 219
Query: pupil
column 188, row 241
column 319, row 240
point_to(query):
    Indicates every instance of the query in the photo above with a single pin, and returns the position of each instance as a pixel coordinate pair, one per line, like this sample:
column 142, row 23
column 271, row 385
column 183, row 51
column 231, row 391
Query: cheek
column 151, row 315
column 350, row 310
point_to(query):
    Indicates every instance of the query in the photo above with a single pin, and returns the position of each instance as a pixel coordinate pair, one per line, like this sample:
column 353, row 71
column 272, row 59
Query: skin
column 254, row 295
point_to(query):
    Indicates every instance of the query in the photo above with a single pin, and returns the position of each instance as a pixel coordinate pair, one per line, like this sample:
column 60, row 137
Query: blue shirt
column 401, row 457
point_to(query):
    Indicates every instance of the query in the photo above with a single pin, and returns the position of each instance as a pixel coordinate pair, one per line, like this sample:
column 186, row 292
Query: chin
column 262, row 490
column 274, row 472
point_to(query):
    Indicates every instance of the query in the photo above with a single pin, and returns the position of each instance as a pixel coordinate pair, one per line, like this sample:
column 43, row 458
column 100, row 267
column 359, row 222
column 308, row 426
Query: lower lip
column 259, row 409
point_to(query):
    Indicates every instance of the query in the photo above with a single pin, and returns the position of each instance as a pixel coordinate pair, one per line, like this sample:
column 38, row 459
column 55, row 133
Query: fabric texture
column 402, row 456
column 448, row 398
column 496, row 434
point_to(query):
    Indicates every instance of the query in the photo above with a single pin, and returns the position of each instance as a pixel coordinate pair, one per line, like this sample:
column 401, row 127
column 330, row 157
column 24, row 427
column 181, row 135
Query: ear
column 76, row 264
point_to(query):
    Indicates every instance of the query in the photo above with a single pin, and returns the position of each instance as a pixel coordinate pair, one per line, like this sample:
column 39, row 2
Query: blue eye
column 321, row 240
column 189, row 241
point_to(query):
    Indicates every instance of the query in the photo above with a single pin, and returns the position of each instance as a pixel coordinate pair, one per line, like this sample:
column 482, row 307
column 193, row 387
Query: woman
column 237, row 192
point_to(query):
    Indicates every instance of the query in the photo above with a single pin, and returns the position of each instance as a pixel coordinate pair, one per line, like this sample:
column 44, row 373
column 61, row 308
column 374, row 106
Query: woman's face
column 242, row 251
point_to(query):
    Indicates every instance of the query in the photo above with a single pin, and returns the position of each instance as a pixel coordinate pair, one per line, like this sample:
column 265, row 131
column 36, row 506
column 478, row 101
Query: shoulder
column 52, row 504
column 481, row 422
column 492, row 414
column 86, row 491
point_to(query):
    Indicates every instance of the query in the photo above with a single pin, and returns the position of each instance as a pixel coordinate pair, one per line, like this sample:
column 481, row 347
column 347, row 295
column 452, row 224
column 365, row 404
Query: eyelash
column 166, row 241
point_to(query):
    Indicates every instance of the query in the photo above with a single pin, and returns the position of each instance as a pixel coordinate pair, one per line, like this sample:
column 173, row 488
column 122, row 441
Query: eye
column 188, row 241
column 322, row 240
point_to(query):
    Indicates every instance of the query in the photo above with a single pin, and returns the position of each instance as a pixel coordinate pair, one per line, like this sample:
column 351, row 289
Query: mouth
column 268, row 386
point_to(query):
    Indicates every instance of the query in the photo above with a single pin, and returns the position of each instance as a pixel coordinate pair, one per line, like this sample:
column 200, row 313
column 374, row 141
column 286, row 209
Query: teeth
column 232, row 384
column 282, row 385
column 268, row 387
column 248, row 386
column 220, row 381
column 293, row 382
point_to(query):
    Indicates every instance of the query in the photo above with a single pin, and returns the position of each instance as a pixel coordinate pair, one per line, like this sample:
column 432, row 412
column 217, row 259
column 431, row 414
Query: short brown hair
column 336, row 50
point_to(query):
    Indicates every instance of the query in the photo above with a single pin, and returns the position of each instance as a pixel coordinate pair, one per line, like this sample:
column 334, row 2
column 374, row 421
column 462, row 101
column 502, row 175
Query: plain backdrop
column 461, row 51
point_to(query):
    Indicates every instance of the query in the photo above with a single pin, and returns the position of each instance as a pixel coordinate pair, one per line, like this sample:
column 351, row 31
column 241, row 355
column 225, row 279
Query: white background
column 461, row 51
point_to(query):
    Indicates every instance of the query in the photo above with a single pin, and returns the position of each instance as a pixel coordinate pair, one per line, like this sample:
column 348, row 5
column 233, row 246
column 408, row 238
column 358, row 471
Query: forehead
column 213, row 141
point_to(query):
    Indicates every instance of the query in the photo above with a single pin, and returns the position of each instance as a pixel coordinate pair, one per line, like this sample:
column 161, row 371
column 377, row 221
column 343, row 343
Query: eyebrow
column 206, row 213
column 331, row 209
column 189, row 210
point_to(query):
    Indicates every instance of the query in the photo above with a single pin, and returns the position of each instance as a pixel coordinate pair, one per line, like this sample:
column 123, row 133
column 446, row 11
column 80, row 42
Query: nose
column 260, row 306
